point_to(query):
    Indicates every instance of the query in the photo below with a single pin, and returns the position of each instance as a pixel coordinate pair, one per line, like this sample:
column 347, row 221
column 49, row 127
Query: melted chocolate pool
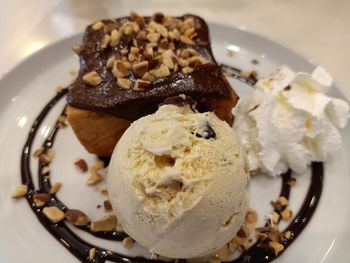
column 258, row 252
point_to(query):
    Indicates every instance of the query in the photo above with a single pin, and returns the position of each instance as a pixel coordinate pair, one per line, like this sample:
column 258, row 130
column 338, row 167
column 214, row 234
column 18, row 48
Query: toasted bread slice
column 98, row 132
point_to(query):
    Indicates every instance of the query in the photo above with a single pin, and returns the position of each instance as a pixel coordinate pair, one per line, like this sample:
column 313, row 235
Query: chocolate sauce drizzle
column 257, row 253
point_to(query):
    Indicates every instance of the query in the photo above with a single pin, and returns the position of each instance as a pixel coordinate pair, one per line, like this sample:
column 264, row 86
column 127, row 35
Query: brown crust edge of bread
column 97, row 132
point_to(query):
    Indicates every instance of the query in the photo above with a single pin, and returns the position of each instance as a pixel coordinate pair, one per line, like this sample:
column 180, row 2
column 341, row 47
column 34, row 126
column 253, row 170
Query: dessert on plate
column 178, row 183
column 178, row 176
column 294, row 108
column 130, row 65
column 150, row 91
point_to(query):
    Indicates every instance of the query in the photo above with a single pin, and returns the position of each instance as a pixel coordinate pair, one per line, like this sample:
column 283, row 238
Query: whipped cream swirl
column 288, row 121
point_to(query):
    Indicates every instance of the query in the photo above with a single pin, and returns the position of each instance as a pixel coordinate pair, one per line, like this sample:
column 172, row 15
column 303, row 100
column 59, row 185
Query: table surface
column 318, row 29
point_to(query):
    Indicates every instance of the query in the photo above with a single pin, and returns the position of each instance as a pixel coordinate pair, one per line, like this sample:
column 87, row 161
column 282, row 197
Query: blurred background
column 318, row 29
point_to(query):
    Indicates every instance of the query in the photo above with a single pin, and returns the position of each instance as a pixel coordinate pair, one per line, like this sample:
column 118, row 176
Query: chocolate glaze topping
column 181, row 101
column 206, row 80
column 258, row 252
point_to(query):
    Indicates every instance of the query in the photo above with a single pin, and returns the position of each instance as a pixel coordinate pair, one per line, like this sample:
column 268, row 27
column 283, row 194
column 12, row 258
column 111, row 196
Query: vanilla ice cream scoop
column 177, row 182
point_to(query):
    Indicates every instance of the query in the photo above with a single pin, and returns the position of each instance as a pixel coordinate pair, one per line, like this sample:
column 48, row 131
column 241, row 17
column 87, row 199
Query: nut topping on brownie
column 156, row 48
column 130, row 65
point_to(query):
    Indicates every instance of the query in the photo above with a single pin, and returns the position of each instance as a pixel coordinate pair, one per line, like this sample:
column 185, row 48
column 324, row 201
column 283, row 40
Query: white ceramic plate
column 27, row 88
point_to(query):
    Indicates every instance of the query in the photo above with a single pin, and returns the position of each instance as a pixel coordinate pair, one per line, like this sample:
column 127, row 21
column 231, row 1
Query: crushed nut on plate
column 45, row 170
column 77, row 49
column 20, row 191
column 41, row 199
column 243, row 231
column 275, row 217
column 278, row 207
column 77, row 217
column 128, row 242
column 104, row 191
column 92, row 253
column 48, row 156
column 107, row 223
column 107, row 205
column 276, row 247
column 99, row 164
column 282, row 201
column 55, row 187
column 38, row 152
column 62, row 121
column 81, row 165
column 95, row 176
column 287, row 235
column 59, row 89
column 242, row 238
column 261, row 236
column 246, row 74
column 292, row 181
column 286, row 214
column 251, row 216
column 54, row 214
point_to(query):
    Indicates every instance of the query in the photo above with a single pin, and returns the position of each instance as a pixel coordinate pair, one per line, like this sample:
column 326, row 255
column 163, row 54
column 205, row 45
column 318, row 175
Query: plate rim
column 69, row 38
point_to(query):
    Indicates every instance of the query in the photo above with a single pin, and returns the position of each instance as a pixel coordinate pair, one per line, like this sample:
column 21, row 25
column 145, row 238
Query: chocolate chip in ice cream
column 207, row 132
